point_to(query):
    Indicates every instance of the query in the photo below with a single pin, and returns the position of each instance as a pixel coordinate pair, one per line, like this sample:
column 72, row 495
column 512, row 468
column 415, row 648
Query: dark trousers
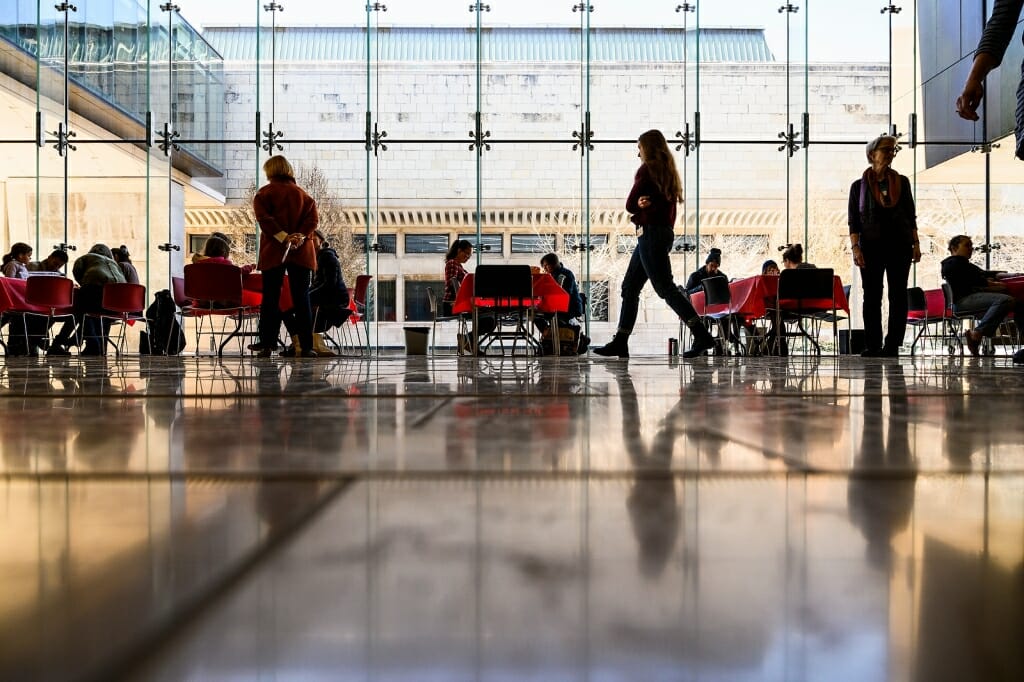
column 890, row 264
column 270, row 307
column 650, row 261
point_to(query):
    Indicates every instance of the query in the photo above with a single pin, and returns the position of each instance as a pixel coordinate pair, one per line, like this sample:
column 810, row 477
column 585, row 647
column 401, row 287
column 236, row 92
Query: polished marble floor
column 534, row 519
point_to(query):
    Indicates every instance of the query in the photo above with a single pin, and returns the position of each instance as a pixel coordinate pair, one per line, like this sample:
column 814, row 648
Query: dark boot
column 702, row 339
column 619, row 346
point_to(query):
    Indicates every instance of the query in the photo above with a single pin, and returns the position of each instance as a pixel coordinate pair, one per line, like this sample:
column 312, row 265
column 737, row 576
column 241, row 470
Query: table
column 1014, row 287
column 550, row 297
column 752, row 296
column 252, row 291
column 12, row 298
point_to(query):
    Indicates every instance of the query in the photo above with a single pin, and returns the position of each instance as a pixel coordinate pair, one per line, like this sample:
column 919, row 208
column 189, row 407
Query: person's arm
column 853, row 218
column 264, row 216
column 633, row 200
column 989, row 55
column 910, row 215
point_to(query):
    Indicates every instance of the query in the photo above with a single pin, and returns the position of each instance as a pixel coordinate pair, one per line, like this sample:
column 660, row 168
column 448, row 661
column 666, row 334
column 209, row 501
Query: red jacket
column 281, row 208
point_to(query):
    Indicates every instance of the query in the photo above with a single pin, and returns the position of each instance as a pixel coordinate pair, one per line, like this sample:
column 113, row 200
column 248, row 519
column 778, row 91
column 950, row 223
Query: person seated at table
column 977, row 290
column 92, row 271
column 16, row 262
column 769, row 267
column 793, row 258
column 567, row 280
column 328, row 296
column 199, row 257
column 124, row 261
column 218, row 251
column 460, row 252
column 55, row 262
column 711, row 268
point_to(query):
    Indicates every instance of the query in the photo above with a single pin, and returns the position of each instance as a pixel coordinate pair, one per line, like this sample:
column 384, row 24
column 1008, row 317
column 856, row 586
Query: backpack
column 162, row 320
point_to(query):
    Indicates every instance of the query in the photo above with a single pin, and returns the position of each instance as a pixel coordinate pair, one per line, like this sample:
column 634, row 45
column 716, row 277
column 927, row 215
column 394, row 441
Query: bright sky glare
column 840, row 30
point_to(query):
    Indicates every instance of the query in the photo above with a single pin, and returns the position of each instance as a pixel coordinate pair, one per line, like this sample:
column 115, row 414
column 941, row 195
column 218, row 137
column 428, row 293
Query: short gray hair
column 873, row 145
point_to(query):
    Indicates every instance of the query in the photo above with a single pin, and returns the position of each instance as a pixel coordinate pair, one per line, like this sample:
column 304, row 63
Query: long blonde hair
column 662, row 165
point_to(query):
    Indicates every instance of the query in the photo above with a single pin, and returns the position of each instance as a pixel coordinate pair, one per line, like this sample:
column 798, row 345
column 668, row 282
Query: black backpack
column 162, row 319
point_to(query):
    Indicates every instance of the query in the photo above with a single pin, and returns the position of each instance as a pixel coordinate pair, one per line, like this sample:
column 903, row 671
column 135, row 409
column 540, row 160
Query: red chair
column 358, row 317
column 53, row 293
column 215, row 289
column 122, row 303
column 927, row 310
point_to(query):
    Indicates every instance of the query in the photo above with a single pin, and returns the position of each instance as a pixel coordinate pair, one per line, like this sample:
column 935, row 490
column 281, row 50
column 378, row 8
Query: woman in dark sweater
column 652, row 203
column 883, row 238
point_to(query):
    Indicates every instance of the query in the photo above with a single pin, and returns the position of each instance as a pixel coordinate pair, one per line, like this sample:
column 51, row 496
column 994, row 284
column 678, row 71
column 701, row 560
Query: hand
column 644, row 202
column 858, row 257
column 969, row 100
column 917, row 253
column 296, row 238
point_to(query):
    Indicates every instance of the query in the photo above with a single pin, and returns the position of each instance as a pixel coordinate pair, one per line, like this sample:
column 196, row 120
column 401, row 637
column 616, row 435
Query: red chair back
column 121, row 297
column 935, row 304
column 178, row 292
column 214, row 282
column 49, row 292
column 362, row 284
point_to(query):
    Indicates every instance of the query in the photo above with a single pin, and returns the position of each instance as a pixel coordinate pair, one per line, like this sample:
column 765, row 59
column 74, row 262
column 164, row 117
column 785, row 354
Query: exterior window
column 625, row 244
column 197, row 242
column 381, row 304
column 598, row 300
column 386, row 243
column 533, row 243
column 417, row 304
column 489, row 243
column 426, row 243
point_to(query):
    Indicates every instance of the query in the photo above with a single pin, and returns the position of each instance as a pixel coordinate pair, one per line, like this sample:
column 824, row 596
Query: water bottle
column 673, row 347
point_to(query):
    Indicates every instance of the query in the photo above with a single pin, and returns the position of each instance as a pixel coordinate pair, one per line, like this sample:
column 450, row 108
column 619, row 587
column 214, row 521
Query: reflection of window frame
column 438, row 240
column 496, row 240
column 549, row 247
column 420, row 283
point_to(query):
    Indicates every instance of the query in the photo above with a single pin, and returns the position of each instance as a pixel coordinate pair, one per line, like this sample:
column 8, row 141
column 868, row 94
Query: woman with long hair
column 652, row 203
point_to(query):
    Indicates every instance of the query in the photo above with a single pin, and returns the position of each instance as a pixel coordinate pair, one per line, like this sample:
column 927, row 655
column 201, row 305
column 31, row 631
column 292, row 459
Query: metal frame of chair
column 435, row 305
column 356, row 319
column 122, row 303
column 957, row 319
column 925, row 311
column 507, row 292
column 221, row 283
column 52, row 293
column 716, row 295
column 798, row 285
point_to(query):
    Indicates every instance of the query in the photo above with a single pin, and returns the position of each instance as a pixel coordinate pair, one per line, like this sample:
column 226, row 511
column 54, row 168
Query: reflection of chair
column 717, row 311
column 53, row 293
column 507, row 292
column 216, row 289
column 927, row 310
column 122, row 303
column 439, row 316
column 803, row 295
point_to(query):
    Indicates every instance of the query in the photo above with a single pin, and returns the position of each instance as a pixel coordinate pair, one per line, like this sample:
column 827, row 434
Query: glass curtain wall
column 494, row 126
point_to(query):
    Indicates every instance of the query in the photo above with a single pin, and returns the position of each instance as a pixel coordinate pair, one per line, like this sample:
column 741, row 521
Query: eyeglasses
column 888, row 150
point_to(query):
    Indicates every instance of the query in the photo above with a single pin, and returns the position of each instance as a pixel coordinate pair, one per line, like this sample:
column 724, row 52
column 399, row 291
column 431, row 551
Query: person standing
column 994, row 40
column 287, row 216
column 652, row 203
column 884, row 241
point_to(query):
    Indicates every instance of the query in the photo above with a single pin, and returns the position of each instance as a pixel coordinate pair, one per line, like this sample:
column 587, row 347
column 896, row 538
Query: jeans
column 995, row 306
column 650, row 261
column 891, row 264
column 270, row 307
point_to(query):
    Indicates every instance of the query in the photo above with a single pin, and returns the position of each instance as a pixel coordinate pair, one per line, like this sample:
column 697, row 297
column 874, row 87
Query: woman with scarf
column 883, row 238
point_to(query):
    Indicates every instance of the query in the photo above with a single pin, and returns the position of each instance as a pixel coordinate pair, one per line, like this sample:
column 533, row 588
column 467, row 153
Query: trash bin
column 416, row 340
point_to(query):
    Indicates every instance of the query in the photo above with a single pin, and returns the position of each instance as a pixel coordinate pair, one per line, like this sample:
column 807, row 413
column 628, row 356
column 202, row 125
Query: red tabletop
column 553, row 298
column 12, row 298
column 1014, row 286
column 751, row 297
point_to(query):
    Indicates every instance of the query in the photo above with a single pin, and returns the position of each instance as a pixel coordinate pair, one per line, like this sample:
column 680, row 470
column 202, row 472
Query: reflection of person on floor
column 881, row 486
column 653, row 510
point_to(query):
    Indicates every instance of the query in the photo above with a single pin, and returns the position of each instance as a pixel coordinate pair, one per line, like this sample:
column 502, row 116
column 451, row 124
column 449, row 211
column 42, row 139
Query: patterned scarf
column 886, row 199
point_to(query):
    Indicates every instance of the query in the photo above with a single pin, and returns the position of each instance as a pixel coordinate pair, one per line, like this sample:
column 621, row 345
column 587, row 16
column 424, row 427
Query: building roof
column 498, row 44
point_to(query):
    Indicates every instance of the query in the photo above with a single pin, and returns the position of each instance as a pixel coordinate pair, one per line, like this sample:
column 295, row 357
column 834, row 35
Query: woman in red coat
column 287, row 218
